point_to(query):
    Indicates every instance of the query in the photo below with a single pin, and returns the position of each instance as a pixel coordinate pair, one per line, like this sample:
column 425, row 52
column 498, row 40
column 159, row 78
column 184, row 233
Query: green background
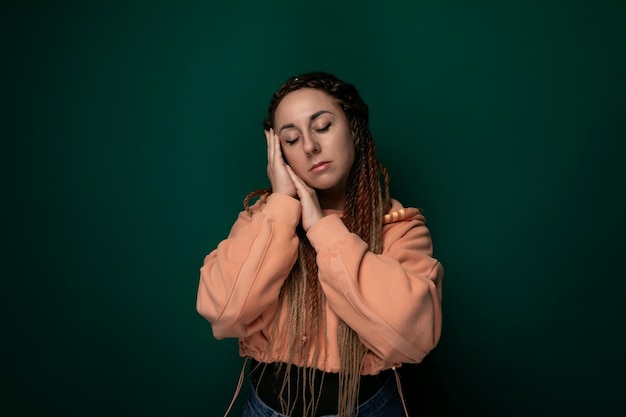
column 131, row 131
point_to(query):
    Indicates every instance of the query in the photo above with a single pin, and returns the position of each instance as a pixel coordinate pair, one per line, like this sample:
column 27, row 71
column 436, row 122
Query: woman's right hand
column 280, row 179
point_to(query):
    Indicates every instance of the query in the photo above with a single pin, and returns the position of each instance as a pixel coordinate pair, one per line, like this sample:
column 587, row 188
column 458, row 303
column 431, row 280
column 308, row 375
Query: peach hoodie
column 391, row 300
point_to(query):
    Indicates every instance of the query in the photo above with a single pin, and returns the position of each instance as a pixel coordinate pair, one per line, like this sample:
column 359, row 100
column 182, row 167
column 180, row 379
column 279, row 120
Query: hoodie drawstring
column 239, row 384
column 395, row 371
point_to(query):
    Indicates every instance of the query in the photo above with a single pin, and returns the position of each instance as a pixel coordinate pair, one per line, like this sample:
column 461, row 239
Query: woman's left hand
column 311, row 209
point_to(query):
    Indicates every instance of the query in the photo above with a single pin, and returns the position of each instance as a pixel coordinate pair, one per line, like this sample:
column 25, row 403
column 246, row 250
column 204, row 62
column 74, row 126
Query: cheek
column 292, row 160
column 350, row 161
column 349, row 150
column 288, row 153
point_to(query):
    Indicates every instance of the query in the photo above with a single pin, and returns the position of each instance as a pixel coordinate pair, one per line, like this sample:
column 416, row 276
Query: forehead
column 303, row 103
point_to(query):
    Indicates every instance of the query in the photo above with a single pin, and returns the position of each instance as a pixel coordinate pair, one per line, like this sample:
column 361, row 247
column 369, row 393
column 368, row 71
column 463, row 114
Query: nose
column 311, row 146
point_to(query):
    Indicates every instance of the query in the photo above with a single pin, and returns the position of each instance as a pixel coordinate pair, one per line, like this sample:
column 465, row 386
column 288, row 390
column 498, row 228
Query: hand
column 311, row 209
column 280, row 179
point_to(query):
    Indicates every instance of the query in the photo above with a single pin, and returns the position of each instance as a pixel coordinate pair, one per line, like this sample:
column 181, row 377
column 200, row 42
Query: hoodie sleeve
column 393, row 299
column 242, row 277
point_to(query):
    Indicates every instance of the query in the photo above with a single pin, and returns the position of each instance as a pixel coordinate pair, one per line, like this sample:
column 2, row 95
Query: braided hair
column 367, row 198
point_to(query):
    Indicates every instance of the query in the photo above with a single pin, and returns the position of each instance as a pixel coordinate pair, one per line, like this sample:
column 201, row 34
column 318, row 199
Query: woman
column 328, row 283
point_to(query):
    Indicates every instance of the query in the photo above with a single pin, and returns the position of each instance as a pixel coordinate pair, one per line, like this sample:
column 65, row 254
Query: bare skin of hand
column 277, row 173
column 311, row 210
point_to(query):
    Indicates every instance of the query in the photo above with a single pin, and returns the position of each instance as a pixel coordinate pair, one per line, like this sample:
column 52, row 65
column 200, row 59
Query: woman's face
column 315, row 139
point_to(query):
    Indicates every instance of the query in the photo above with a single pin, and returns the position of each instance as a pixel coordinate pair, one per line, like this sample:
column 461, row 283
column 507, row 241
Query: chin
column 321, row 186
column 326, row 188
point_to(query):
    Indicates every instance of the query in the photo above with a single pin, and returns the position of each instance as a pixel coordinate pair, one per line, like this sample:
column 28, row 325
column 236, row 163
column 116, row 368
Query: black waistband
column 267, row 380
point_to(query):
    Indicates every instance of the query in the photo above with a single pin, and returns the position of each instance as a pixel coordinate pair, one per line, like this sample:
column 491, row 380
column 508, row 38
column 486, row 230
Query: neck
column 332, row 199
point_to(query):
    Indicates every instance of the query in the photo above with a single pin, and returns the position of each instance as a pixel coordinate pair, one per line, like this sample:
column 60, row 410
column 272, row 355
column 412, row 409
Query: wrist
column 284, row 192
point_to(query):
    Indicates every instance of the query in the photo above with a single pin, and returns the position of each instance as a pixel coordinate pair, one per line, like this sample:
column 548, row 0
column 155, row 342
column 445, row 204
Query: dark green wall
column 131, row 132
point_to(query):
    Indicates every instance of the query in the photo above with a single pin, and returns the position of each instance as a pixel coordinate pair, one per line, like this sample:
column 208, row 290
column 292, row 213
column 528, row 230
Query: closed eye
column 324, row 129
column 291, row 141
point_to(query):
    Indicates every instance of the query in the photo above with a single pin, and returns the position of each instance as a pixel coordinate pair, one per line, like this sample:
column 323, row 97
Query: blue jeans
column 385, row 403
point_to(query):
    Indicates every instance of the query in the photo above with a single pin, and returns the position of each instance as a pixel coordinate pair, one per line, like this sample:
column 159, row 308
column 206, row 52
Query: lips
column 319, row 166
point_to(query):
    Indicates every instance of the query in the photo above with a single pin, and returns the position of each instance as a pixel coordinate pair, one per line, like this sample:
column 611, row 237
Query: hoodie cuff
column 283, row 209
column 326, row 232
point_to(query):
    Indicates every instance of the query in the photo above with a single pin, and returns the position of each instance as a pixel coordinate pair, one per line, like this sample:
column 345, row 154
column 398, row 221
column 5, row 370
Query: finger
column 311, row 210
column 267, row 144
column 294, row 177
column 300, row 185
column 278, row 152
column 270, row 145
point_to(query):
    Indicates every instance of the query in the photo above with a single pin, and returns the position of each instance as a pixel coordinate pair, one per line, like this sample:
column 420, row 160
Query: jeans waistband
column 385, row 402
column 268, row 378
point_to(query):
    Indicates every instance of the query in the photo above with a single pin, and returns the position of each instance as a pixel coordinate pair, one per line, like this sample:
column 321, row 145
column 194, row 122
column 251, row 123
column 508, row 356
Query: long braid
column 302, row 294
column 367, row 201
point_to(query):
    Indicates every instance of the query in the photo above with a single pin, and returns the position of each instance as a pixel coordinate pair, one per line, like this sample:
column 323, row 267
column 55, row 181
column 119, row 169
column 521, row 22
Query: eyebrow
column 313, row 117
